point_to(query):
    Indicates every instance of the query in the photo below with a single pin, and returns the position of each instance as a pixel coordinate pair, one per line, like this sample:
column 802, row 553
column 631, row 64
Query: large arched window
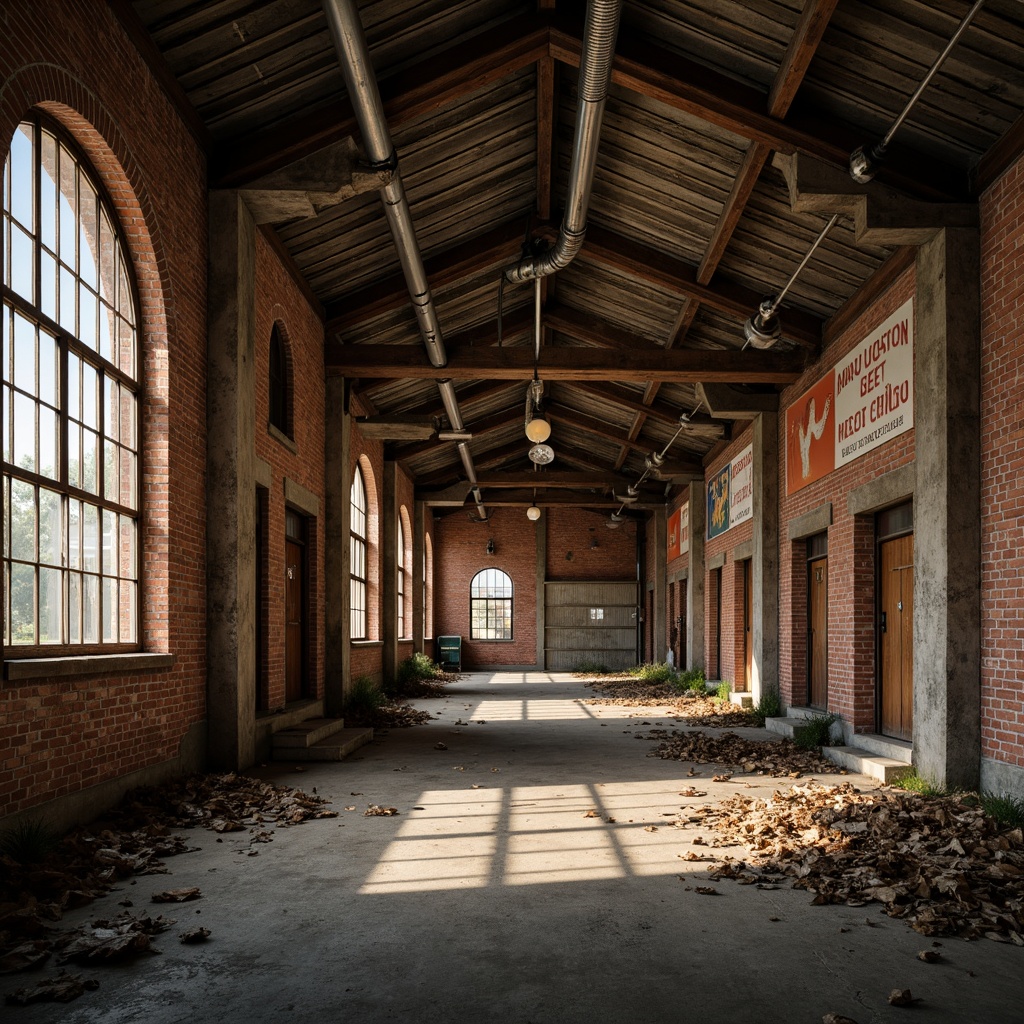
column 70, row 405
column 490, row 606
column 400, row 572
column 357, row 555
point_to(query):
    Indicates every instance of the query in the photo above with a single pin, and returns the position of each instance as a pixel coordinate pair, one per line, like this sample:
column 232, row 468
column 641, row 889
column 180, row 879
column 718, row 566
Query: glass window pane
column 48, row 285
column 91, row 609
column 23, row 602
column 127, row 610
column 8, row 432
column 6, row 516
column 25, row 432
column 8, row 370
column 20, row 169
column 74, row 533
column 107, row 282
column 51, row 605
column 66, row 315
column 68, row 210
column 108, row 332
column 129, row 479
column 110, row 624
column 127, row 555
column 49, row 454
column 110, row 470
column 48, row 375
column 24, row 354
column 126, row 348
column 125, row 306
column 22, row 269
column 74, row 386
column 51, row 533
column 90, row 396
column 87, row 316
column 90, row 461
column 109, row 542
column 129, row 407
column 90, row 538
column 75, row 455
column 48, row 190
column 88, row 239
column 74, row 608
column 23, row 521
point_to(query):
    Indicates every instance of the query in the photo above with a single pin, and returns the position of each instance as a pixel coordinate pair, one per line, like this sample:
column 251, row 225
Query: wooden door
column 681, row 624
column 293, row 615
column 748, row 622
column 817, row 633
column 896, row 629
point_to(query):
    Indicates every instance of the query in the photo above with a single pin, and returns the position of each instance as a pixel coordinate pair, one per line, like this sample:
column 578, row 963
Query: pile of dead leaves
column 391, row 714
column 133, row 839
column 939, row 863
column 689, row 705
column 777, row 758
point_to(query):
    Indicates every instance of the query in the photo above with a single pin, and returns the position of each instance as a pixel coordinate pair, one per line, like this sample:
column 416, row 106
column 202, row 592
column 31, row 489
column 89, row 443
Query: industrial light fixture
column 538, row 429
column 866, row 160
column 533, row 513
column 542, row 454
column 763, row 329
column 490, row 545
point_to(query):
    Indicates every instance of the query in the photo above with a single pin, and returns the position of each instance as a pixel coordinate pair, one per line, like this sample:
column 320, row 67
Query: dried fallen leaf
column 440, row 746
column 61, row 989
column 177, row 895
column 590, row 814
column 929, row 956
column 351, row 807
column 706, row 890
column 376, row 811
column 902, row 997
column 194, row 936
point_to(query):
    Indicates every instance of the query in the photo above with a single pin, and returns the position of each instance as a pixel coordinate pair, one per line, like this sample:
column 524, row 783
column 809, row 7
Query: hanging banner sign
column 864, row 401
column 731, row 494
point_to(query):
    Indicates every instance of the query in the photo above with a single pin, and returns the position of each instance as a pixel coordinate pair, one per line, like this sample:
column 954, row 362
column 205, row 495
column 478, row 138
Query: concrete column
column 947, row 522
column 338, row 521
column 231, row 485
column 419, row 547
column 659, row 633
column 541, row 572
column 695, row 578
column 764, row 673
column 389, row 571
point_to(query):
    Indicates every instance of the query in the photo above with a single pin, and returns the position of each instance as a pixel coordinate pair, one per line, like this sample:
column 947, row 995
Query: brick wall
column 1002, row 468
column 575, row 532
column 280, row 301
column 730, row 665
column 61, row 736
column 851, row 580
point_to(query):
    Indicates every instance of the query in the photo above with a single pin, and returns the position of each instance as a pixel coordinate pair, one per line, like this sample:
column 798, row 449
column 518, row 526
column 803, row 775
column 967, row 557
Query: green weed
column 769, row 706
column 723, row 690
column 1006, row 809
column 815, row 732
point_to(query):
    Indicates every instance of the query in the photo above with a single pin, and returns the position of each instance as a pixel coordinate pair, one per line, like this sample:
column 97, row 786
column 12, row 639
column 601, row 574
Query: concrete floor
column 492, row 897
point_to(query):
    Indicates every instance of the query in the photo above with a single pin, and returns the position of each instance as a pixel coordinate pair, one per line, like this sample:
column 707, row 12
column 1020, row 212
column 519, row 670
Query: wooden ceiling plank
column 810, row 28
column 442, row 78
column 901, row 260
column 592, row 329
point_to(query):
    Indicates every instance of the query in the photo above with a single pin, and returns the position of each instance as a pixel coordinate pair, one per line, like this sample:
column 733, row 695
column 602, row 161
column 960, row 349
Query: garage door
column 589, row 624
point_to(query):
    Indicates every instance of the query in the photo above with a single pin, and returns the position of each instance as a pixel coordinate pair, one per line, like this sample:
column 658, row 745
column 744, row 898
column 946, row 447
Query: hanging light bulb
column 533, row 513
column 538, row 430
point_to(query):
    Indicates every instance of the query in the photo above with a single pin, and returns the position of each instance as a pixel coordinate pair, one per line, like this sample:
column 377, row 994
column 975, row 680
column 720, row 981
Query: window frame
column 493, row 607
column 358, row 541
column 279, row 390
column 126, row 550
column 401, row 622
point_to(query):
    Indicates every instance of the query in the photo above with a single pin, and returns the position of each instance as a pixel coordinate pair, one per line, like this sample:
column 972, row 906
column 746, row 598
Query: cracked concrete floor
column 492, row 896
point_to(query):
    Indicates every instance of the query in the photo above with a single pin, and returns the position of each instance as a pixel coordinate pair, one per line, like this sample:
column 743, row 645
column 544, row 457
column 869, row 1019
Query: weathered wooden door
column 817, row 633
column 294, row 626
column 896, row 636
column 748, row 622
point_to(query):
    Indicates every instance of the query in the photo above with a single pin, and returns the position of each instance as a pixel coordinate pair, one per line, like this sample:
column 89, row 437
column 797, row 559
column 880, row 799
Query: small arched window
column 71, row 495
column 280, row 385
column 490, row 606
column 400, row 560
column 357, row 554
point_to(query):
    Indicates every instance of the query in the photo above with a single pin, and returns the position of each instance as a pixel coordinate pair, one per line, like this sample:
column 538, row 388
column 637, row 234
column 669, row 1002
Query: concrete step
column 885, row 746
column 856, row 759
column 783, row 726
column 335, row 747
column 306, row 733
column 741, row 698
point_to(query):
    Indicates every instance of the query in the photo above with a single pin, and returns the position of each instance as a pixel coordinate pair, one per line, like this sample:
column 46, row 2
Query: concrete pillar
column 947, row 523
column 389, row 571
column 419, row 547
column 695, row 578
column 231, row 485
column 338, row 521
column 764, row 671
column 659, row 634
column 541, row 572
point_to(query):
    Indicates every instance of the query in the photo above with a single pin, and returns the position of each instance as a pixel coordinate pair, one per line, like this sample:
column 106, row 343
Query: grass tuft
column 723, row 690
column 914, row 783
column 1006, row 809
column 769, row 706
column 363, row 698
column 586, row 667
column 815, row 732
column 28, row 842
column 654, row 672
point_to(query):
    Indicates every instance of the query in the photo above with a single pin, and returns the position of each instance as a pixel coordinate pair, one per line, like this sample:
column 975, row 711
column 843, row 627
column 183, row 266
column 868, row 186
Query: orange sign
column 811, row 435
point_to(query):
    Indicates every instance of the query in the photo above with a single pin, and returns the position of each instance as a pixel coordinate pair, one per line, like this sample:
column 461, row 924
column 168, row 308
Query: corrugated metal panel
column 589, row 621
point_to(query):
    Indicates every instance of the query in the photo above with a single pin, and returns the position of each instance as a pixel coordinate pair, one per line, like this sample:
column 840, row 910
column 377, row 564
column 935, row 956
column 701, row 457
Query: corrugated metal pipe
column 602, row 26
column 350, row 42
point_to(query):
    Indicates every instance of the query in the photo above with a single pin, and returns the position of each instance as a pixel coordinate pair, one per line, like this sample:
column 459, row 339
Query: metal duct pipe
column 350, row 42
column 599, row 34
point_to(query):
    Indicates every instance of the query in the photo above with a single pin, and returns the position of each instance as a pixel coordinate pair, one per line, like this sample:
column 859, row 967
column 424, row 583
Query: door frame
column 816, row 548
column 295, row 516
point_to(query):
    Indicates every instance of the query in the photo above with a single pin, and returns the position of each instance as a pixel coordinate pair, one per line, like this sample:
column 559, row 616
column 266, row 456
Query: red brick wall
column 851, row 581
column 460, row 552
column 1002, row 468
column 574, row 531
column 61, row 736
column 732, row 666
column 280, row 301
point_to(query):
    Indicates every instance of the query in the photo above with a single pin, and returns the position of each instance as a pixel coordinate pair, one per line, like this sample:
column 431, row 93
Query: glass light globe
column 538, row 429
column 533, row 513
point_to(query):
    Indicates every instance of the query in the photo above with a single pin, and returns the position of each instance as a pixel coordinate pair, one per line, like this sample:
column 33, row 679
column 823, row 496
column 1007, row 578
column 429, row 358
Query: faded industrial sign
column 864, row 401
column 731, row 494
